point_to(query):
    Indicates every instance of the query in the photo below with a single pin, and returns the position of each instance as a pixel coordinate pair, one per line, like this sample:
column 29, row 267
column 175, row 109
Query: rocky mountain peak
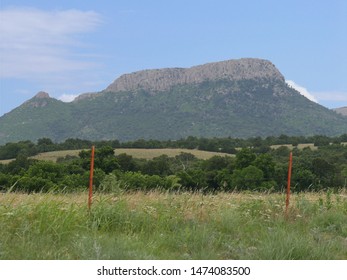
column 41, row 99
column 42, row 94
column 163, row 79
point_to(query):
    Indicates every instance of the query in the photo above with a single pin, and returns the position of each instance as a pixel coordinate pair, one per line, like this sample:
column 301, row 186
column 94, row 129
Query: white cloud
column 35, row 42
column 303, row 91
column 67, row 97
column 332, row 96
column 332, row 99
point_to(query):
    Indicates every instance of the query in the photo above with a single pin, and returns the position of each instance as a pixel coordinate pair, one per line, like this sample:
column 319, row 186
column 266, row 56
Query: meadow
column 143, row 153
column 164, row 225
column 136, row 153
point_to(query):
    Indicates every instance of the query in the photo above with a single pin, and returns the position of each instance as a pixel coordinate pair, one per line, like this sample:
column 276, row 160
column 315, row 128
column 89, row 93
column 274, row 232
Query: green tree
column 126, row 162
column 249, row 178
column 45, row 145
column 158, row 166
column 344, row 175
column 217, row 163
column 244, row 158
column 47, row 170
column 104, row 159
column 322, row 169
column 303, row 179
column 266, row 164
column 321, row 140
column 193, row 179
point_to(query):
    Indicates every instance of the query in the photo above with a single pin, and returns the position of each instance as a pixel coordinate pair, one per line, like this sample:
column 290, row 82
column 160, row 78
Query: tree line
column 255, row 166
column 225, row 145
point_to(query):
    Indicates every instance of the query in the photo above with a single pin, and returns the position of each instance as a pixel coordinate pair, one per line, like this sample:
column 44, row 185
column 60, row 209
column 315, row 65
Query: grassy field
column 151, row 153
column 173, row 226
column 136, row 153
column 300, row 146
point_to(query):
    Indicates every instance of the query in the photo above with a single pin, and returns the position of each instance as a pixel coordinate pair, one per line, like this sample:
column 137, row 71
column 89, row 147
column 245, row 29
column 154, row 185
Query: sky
column 67, row 48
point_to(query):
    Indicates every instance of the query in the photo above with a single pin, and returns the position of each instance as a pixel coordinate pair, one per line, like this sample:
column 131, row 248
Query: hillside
column 237, row 98
column 342, row 111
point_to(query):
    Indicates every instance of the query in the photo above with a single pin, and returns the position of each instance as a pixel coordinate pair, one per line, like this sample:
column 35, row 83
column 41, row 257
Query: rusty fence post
column 289, row 179
column 90, row 195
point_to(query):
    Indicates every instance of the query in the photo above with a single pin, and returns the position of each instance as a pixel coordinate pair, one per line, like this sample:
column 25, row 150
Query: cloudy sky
column 71, row 47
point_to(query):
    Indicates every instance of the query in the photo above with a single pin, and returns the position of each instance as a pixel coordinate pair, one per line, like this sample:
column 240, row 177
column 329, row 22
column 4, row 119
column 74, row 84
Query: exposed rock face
column 84, row 96
column 39, row 100
column 163, row 79
column 342, row 111
column 42, row 94
column 237, row 98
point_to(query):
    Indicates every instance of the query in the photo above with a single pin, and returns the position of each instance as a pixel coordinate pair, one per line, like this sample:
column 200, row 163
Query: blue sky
column 71, row 47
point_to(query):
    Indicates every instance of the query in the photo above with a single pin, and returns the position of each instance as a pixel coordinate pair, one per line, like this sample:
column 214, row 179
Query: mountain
column 165, row 79
column 238, row 98
column 342, row 111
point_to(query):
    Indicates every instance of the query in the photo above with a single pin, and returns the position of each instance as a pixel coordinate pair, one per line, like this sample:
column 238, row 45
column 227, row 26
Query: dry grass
column 18, row 199
column 160, row 225
column 300, row 146
column 5, row 161
column 136, row 153
column 139, row 200
column 151, row 153
column 53, row 156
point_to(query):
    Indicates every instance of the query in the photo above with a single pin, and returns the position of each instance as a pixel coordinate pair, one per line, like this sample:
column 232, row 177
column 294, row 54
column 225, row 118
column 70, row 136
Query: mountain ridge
column 237, row 98
column 163, row 79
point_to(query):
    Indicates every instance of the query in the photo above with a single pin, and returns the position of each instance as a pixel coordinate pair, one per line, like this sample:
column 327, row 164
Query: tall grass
column 173, row 226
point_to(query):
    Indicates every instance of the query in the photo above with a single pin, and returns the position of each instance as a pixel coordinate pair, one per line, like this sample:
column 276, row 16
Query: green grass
column 173, row 226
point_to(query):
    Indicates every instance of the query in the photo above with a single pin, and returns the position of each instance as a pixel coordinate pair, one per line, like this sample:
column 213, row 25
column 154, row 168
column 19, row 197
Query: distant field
column 5, row 161
column 159, row 225
column 136, row 153
column 53, row 156
column 300, row 146
column 151, row 153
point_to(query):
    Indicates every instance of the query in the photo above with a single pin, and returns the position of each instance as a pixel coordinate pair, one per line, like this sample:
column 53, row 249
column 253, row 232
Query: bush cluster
column 251, row 169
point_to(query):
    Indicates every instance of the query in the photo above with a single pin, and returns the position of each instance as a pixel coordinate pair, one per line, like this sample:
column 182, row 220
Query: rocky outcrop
column 163, row 79
column 41, row 99
column 42, row 94
column 342, row 111
column 83, row 96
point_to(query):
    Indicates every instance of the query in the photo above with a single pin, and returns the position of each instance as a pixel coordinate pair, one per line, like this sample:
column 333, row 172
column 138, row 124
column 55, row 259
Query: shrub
column 250, row 178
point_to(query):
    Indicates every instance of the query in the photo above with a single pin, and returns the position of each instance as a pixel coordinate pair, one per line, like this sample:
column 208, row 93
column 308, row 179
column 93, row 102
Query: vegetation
column 162, row 225
column 178, row 206
column 214, row 108
column 256, row 167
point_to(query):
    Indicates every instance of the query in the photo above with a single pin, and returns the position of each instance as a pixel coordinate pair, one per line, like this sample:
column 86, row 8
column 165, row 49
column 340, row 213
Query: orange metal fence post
column 289, row 179
column 90, row 196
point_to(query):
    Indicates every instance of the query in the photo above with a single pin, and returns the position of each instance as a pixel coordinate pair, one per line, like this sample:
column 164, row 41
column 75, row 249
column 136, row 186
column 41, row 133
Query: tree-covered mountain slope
column 237, row 98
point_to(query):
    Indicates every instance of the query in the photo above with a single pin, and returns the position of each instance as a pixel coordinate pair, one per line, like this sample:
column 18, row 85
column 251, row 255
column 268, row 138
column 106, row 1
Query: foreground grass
column 173, row 226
